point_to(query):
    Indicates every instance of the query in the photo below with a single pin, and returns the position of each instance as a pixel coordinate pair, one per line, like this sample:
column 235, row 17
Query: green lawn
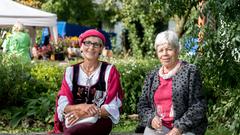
column 124, row 126
column 130, row 125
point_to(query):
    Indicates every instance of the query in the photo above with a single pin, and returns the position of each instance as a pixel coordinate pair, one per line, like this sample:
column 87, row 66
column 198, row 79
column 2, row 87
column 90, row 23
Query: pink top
column 163, row 97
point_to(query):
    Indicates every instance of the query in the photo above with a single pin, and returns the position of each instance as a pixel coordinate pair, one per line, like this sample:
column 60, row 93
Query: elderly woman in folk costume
column 90, row 96
column 172, row 102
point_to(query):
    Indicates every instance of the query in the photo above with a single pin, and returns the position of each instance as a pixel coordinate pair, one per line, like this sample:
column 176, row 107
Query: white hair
column 169, row 37
column 18, row 27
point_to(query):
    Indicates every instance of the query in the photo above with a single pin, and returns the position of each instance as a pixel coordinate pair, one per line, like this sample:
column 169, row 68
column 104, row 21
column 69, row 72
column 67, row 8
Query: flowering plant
column 59, row 47
column 72, row 41
column 63, row 43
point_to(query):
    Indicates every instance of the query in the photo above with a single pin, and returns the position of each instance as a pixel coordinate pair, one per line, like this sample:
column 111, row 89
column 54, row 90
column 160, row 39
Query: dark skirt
column 102, row 127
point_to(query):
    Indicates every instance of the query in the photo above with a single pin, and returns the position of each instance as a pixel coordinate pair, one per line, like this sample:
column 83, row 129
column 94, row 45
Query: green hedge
column 15, row 84
column 33, row 87
column 133, row 72
column 22, row 81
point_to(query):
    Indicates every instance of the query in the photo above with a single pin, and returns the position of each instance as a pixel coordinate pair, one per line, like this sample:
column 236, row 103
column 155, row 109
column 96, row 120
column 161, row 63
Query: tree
column 78, row 12
column 105, row 14
column 145, row 18
column 85, row 12
column 222, row 37
column 219, row 62
column 31, row 3
column 218, row 57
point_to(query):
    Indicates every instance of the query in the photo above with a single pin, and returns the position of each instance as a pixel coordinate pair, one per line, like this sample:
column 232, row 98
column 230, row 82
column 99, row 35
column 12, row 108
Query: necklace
column 90, row 69
column 171, row 73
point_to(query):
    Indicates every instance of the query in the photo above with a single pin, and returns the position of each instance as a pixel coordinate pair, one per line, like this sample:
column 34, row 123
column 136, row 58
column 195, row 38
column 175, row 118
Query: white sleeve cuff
column 113, row 109
column 62, row 103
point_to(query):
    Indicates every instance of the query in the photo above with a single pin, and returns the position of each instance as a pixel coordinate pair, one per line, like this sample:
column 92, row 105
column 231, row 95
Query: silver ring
column 71, row 116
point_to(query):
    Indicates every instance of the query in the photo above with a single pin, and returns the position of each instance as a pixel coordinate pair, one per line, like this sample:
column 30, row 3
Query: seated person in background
column 172, row 102
column 90, row 96
column 107, row 50
column 35, row 53
column 107, row 53
column 46, row 51
column 43, row 52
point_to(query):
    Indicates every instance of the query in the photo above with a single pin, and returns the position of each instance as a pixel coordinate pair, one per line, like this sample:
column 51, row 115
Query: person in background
column 90, row 96
column 172, row 101
column 35, row 53
column 107, row 50
column 18, row 43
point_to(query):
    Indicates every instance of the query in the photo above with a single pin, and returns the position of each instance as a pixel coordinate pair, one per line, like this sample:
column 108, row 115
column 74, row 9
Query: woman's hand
column 156, row 123
column 72, row 117
column 82, row 111
column 174, row 131
column 90, row 109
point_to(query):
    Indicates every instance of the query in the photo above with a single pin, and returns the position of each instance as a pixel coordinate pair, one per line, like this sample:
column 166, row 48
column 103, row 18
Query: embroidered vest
column 92, row 94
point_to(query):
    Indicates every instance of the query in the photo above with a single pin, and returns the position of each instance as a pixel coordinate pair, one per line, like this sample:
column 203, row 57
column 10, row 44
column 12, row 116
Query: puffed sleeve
column 63, row 100
column 114, row 94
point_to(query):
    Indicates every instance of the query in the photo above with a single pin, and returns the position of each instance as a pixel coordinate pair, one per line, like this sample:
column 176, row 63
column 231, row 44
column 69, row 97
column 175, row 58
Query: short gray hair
column 169, row 37
column 18, row 27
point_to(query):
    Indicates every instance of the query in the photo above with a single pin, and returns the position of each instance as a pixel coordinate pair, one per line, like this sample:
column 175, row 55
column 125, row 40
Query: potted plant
column 59, row 50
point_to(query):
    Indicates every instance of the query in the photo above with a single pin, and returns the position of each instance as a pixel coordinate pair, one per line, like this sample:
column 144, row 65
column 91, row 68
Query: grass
column 124, row 126
column 128, row 125
column 218, row 130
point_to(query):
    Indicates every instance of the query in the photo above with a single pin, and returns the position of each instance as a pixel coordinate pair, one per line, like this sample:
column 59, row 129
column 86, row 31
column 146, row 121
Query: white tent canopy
column 12, row 12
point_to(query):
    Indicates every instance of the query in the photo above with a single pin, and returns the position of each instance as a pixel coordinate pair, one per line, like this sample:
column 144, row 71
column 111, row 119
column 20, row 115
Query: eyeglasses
column 89, row 43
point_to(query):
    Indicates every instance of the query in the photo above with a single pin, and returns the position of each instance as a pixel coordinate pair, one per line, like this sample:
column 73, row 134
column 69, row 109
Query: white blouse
column 112, row 108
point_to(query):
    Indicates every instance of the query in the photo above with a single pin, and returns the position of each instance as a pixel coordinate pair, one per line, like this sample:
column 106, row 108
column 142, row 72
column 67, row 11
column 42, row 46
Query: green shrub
column 47, row 76
column 22, row 81
column 133, row 72
column 225, row 113
column 38, row 109
column 31, row 86
column 15, row 80
column 35, row 86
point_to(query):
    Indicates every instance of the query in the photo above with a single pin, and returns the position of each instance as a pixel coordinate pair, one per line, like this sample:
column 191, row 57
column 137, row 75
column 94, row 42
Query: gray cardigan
column 189, row 104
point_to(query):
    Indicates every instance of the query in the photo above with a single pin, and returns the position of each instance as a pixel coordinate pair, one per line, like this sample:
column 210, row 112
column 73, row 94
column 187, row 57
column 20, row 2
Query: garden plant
column 27, row 92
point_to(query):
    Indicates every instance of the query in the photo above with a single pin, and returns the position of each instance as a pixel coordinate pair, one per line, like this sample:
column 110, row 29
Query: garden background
column 27, row 92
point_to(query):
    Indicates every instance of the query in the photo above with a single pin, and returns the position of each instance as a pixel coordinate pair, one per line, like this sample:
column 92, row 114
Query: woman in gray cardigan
column 175, row 89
